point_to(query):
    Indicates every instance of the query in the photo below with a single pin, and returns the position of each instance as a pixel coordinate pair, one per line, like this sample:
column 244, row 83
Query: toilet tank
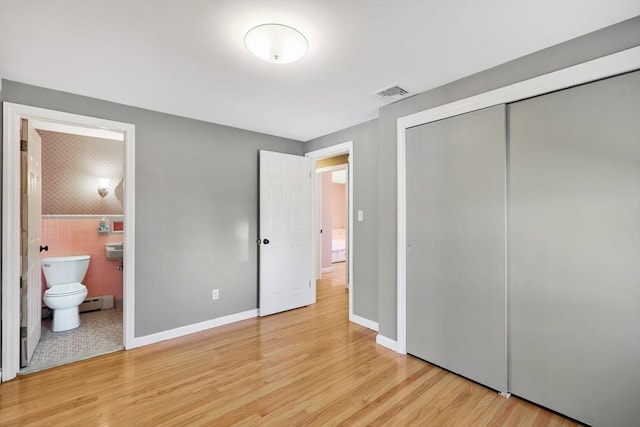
column 65, row 269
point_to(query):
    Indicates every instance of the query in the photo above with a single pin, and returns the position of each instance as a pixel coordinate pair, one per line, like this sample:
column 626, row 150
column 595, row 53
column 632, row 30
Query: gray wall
column 365, row 198
column 603, row 42
column 196, row 208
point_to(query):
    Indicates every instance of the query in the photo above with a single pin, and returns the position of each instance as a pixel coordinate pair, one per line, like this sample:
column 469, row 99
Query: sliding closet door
column 574, row 257
column 456, row 245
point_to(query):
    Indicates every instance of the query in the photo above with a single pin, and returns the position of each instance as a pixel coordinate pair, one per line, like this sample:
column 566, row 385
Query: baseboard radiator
column 97, row 303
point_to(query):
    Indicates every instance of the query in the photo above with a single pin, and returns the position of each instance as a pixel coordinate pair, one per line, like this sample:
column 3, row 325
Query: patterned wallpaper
column 71, row 167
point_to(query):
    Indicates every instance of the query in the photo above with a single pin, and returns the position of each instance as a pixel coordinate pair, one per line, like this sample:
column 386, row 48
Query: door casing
column 332, row 151
column 11, row 269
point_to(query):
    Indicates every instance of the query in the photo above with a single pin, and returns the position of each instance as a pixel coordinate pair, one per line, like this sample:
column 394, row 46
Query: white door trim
column 335, row 150
column 12, row 115
column 606, row 66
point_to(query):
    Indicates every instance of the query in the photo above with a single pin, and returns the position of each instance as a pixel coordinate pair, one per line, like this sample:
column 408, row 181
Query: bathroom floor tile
column 100, row 332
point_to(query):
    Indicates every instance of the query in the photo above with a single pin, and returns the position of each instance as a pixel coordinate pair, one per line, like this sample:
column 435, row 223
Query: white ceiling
column 188, row 58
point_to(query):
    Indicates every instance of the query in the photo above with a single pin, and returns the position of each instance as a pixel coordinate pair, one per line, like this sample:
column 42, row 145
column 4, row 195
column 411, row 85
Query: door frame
column 606, row 66
column 12, row 116
column 332, row 151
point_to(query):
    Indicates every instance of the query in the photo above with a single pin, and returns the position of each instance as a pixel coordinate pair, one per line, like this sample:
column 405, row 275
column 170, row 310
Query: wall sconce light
column 103, row 184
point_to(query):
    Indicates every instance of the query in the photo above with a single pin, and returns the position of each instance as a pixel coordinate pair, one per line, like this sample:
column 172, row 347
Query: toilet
column 66, row 292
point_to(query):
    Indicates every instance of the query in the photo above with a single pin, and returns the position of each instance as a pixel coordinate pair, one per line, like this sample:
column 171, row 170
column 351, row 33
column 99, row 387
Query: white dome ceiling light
column 276, row 43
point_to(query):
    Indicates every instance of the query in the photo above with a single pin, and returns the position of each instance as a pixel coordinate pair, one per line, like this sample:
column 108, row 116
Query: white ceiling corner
column 188, row 57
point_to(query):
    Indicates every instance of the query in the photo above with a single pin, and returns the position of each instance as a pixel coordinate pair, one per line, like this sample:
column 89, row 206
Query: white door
column 285, row 232
column 33, row 218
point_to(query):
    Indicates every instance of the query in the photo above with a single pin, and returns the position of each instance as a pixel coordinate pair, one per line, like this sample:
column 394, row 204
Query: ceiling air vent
column 392, row 93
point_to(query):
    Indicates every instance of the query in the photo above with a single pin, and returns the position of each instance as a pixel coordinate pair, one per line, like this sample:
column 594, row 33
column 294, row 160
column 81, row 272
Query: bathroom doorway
column 59, row 227
column 81, row 202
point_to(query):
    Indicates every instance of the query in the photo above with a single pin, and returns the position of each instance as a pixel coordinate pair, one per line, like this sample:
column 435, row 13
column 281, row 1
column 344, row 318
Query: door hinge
column 23, row 145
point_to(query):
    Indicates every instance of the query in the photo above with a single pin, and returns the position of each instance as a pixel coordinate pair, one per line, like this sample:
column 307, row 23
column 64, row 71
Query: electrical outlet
column 215, row 294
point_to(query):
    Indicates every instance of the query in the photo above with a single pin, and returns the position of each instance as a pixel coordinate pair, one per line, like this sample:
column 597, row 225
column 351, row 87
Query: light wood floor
column 304, row 367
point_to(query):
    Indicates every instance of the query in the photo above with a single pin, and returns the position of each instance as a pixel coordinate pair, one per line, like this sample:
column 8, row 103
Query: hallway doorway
column 344, row 154
column 334, row 224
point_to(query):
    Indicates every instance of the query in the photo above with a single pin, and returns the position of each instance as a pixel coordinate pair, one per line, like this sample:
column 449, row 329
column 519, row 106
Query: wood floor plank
column 304, row 367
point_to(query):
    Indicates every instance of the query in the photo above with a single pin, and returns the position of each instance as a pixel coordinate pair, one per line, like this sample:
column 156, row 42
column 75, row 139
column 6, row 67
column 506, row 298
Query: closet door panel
column 456, row 245
column 574, row 251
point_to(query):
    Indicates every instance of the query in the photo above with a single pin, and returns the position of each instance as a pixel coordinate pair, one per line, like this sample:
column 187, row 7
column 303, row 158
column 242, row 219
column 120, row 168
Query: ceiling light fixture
column 276, row 43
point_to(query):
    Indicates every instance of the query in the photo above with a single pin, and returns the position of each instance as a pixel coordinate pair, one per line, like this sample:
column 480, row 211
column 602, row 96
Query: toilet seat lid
column 66, row 289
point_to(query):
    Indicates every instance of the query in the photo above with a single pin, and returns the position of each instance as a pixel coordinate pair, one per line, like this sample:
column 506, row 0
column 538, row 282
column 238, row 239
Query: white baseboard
column 190, row 329
column 327, row 269
column 370, row 324
column 387, row 342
